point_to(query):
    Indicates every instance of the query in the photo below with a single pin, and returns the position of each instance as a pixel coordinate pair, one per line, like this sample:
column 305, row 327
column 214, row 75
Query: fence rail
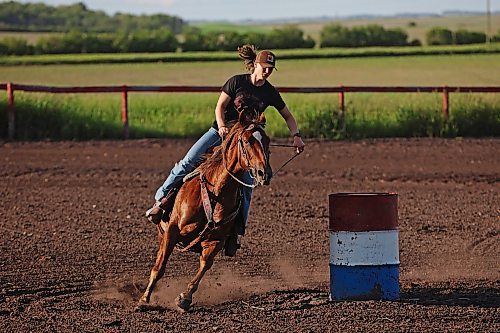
column 124, row 90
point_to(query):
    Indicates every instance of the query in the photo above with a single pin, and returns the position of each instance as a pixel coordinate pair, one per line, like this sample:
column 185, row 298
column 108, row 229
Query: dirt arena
column 76, row 250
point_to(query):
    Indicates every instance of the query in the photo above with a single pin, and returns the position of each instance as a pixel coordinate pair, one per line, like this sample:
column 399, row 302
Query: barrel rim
column 362, row 194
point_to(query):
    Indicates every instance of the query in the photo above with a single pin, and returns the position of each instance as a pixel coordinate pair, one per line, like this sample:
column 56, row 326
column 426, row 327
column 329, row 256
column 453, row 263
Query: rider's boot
column 155, row 213
column 233, row 243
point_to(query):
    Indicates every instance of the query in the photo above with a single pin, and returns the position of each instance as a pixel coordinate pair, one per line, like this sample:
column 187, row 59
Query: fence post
column 446, row 103
column 342, row 109
column 11, row 113
column 125, row 112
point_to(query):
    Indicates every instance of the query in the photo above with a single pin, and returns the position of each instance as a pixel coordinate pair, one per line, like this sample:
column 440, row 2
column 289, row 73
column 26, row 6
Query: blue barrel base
column 364, row 282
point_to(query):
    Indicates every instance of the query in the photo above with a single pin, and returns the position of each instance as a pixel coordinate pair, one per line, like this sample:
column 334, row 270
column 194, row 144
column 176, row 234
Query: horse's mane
column 214, row 160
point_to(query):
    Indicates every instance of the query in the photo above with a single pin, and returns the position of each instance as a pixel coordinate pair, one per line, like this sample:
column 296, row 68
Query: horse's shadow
column 484, row 297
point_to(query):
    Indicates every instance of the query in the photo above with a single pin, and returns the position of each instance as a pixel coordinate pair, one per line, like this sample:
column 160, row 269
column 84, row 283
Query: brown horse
column 245, row 148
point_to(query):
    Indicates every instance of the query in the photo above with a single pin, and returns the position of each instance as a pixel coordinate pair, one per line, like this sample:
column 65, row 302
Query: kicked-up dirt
column 76, row 250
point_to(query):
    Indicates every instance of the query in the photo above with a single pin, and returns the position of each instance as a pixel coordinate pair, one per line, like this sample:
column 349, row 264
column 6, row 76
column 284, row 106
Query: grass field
column 368, row 115
column 481, row 69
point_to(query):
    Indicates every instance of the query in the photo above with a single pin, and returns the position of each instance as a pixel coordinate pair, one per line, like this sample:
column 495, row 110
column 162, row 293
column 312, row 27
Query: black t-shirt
column 242, row 84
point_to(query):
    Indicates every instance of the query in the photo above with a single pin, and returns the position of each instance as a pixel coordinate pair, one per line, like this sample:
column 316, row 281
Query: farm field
column 479, row 69
column 77, row 251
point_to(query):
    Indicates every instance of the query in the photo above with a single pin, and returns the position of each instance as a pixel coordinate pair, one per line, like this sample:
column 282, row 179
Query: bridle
column 243, row 152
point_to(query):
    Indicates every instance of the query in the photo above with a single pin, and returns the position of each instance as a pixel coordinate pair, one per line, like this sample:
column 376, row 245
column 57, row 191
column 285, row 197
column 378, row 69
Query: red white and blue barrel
column 364, row 247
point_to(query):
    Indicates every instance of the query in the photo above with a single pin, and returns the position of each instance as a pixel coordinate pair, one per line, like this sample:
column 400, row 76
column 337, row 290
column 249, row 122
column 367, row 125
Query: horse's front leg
column 210, row 250
column 167, row 244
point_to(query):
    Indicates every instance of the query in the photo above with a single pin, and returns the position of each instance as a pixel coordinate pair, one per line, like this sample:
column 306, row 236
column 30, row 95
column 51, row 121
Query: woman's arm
column 222, row 103
column 292, row 126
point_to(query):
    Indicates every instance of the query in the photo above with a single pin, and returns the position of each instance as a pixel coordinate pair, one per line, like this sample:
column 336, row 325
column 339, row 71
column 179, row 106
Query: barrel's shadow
column 483, row 297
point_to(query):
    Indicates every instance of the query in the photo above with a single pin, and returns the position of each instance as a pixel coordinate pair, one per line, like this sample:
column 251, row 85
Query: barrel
column 364, row 249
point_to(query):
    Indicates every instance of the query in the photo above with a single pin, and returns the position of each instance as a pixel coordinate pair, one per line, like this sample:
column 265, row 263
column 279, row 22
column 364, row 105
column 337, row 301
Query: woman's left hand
column 297, row 142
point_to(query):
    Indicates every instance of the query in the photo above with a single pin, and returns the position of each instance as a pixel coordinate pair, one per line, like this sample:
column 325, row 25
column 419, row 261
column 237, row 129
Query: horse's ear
column 246, row 117
column 262, row 119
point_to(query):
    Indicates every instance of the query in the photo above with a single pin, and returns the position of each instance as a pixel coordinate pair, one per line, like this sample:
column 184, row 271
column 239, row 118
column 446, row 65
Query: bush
column 335, row 35
column 161, row 40
column 289, row 37
column 420, row 121
column 15, row 46
column 469, row 37
column 476, row 119
column 439, row 36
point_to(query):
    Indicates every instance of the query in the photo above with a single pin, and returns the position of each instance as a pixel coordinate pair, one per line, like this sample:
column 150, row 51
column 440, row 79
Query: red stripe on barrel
column 363, row 211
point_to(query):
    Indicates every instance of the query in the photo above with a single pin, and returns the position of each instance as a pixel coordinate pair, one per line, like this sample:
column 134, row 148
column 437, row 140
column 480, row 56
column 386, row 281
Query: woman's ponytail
column 248, row 53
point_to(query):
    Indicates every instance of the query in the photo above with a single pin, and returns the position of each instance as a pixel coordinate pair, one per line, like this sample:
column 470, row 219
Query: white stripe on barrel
column 364, row 248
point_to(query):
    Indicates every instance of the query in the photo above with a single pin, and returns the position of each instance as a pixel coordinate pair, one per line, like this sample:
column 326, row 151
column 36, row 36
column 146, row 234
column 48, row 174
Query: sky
column 237, row 10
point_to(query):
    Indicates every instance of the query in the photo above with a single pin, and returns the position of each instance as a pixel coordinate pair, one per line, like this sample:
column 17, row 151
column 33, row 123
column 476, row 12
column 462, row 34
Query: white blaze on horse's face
column 258, row 136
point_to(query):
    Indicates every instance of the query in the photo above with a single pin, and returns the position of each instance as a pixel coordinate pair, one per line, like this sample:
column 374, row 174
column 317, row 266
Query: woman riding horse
column 253, row 86
column 207, row 204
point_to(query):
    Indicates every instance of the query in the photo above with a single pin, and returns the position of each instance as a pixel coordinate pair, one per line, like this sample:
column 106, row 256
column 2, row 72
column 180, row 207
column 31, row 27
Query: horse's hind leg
column 210, row 250
column 167, row 245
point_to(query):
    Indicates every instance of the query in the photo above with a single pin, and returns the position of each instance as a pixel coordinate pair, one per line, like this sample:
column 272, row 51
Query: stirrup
column 155, row 213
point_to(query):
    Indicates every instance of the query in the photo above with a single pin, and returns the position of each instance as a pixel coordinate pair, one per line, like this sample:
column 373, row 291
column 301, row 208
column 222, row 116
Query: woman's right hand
column 223, row 130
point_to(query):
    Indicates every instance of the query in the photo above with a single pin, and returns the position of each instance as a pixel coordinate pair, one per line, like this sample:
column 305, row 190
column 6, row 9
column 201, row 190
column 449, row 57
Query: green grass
column 176, row 57
column 76, row 117
column 478, row 69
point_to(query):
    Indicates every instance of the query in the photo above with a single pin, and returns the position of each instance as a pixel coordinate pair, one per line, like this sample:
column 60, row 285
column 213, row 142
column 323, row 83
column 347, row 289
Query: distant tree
column 412, row 24
column 335, row 35
column 15, row 46
column 161, row 40
column 415, row 42
column 254, row 38
column 439, row 36
column 288, row 37
column 469, row 37
column 229, row 41
column 193, row 40
column 496, row 38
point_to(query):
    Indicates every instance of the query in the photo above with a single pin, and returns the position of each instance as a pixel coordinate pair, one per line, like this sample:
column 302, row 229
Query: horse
column 244, row 149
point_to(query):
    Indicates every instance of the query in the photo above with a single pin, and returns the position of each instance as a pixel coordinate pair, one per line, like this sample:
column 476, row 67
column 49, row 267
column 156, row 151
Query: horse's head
column 253, row 145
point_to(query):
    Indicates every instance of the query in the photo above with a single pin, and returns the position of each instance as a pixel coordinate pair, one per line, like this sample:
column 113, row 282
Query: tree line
column 38, row 17
column 194, row 39
column 444, row 36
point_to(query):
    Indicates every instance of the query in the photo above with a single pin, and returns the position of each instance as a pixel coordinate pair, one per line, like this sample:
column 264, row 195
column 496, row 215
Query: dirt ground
column 76, row 251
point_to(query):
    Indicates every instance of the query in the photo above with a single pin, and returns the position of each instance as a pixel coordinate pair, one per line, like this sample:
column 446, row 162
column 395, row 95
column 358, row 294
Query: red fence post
column 125, row 112
column 342, row 109
column 11, row 113
column 446, row 103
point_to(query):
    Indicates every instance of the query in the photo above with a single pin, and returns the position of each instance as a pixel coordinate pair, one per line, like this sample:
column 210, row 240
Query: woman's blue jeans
column 192, row 159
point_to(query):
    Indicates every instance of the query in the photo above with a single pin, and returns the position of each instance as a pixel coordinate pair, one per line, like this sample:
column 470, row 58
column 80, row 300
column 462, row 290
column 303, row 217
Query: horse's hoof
column 142, row 306
column 183, row 302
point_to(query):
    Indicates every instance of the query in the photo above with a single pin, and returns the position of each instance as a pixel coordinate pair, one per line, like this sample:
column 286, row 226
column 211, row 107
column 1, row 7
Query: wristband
column 297, row 134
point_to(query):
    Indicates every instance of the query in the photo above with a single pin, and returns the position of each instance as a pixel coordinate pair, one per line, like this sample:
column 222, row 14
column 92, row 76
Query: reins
column 289, row 160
